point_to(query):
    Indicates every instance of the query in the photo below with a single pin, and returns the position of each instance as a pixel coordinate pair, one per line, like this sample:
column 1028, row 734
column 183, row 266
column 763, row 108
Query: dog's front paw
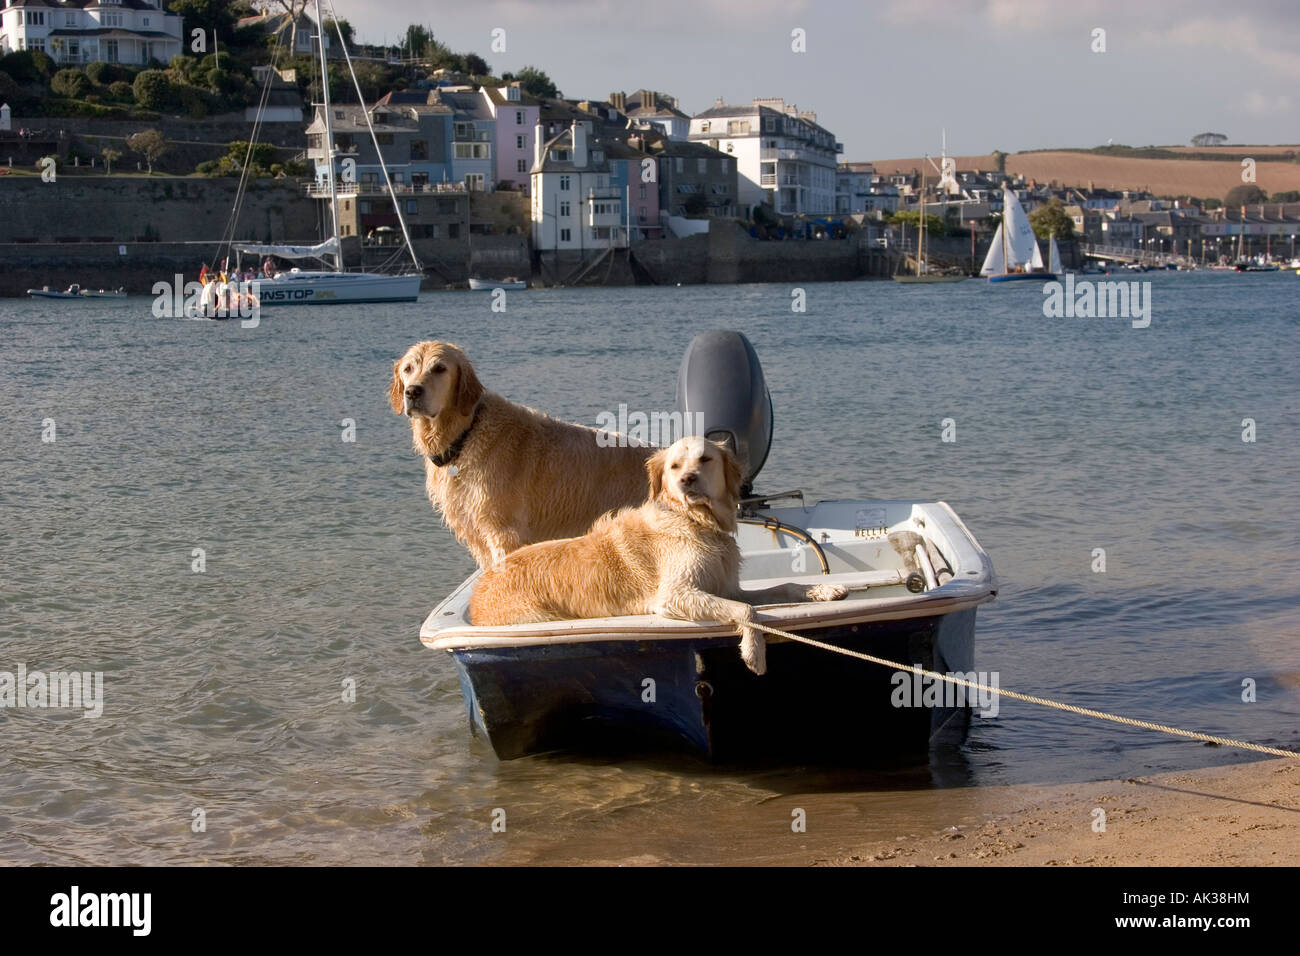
column 753, row 650
column 827, row 592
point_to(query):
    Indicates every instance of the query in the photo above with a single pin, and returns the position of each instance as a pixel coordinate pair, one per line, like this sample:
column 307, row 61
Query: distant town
column 103, row 149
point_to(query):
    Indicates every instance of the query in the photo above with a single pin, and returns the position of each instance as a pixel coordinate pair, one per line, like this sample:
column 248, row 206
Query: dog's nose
column 689, row 478
column 414, row 391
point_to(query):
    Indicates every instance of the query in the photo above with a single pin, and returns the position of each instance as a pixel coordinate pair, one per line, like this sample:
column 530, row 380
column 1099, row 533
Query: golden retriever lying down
column 675, row 556
column 501, row 474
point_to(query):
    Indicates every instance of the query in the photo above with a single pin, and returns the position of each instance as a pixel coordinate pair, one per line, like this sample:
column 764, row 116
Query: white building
column 76, row 32
column 577, row 201
column 784, row 158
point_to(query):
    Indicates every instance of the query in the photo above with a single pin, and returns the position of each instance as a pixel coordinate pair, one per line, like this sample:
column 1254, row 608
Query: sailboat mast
column 920, row 244
column 329, row 137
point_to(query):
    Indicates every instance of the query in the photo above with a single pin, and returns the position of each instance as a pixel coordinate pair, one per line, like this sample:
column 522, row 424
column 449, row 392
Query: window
column 519, row 117
column 473, row 150
column 464, row 130
column 703, row 164
column 144, row 21
column 453, row 230
column 521, row 165
column 564, row 183
column 678, row 164
column 74, row 49
column 384, row 139
column 641, row 191
column 338, row 114
column 448, row 207
column 110, row 19
column 564, row 210
column 769, row 125
column 70, row 20
column 566, row 235
column 35, row 44
column 36, row 18
column 363, row 206
column 474, row 182
column 704, row 127
column 519, row 142
column 560, row 155
column 597, row 155
column 412, row 206
column 419, row 149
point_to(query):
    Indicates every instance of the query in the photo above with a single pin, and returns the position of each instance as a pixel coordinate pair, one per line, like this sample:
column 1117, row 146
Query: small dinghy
column 915, row 574
column 511, row 283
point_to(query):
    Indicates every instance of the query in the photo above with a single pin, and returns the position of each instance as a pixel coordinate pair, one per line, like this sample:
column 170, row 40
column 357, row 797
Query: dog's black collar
column 453, row 452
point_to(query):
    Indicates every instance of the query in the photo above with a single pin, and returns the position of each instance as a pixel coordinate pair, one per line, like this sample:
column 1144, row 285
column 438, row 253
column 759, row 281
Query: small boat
column 510, row 283
column 1014, row 254
column 118, row 293
column 45, row 292
column 915, row 574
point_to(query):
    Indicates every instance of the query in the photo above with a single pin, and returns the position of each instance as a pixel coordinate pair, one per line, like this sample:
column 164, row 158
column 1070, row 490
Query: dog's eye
column 674, row 467
column 407, row 370
column 705, row 459
column 437, row 369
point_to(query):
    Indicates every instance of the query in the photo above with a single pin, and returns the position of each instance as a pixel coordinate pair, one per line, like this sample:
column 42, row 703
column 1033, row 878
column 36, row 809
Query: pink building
column 516, row 116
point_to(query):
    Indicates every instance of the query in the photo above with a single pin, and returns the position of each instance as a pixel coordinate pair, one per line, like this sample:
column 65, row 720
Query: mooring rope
column 1028, row 698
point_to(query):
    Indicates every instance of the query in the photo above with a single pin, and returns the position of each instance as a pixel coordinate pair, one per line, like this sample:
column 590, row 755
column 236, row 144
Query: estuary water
column 224, row 737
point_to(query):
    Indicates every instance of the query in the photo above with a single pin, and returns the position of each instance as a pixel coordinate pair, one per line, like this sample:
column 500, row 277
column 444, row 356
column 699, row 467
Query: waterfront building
column 77, row 32
column 516, row 115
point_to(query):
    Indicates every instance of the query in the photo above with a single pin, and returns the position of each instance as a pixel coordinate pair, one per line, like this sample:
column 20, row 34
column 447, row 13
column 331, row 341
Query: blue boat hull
column 1023, row 276
column 698, row 695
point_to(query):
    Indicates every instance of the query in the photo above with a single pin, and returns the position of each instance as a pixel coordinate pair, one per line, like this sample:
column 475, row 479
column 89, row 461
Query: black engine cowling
column 721, row 381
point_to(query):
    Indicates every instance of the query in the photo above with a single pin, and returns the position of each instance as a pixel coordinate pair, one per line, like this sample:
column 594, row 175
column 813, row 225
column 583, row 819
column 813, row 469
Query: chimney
column 618, row 101
column 539, row 143
column 579, row 144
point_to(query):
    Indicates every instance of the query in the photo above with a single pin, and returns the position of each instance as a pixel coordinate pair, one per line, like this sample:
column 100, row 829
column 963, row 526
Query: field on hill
column 1164, row 177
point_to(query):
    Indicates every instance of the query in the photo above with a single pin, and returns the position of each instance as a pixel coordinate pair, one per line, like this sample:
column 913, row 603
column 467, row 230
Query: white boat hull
column 336, row 288
column 481, row 284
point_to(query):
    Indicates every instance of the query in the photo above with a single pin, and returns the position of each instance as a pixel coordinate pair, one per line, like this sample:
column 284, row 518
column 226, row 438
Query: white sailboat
column 1014, row 252
column 1054, row 259
column 335, row 286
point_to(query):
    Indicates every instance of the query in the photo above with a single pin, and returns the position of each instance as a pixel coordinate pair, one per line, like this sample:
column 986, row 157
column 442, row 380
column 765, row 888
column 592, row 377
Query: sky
column 889, row 78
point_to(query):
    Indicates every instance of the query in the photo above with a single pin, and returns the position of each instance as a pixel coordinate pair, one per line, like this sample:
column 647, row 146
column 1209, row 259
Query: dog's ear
column 395, row 389
column 468, row 388
column 654, row 466
column 733, row 475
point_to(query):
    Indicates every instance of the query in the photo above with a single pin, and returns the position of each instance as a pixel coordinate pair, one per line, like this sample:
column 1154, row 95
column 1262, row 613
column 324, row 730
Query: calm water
column 323, row 556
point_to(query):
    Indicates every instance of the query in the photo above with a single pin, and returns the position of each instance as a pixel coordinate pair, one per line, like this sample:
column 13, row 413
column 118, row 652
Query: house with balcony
column 440, row 212
column 579, row 192
column 76, row 32
column 853, row 188
column 473, row 137
column 784, row 158
column 516, row 114
column 414, row 137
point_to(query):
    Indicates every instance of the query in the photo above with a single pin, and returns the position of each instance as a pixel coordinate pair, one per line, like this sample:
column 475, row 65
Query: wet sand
column 1241, row 815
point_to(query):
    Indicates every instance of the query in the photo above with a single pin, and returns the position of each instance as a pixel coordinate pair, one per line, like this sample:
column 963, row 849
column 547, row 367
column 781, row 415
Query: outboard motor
column 721, row 382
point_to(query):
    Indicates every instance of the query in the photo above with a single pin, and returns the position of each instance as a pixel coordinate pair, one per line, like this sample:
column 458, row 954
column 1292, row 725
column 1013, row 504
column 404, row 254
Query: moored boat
column 510, row 283
column 914, row 572
column 45, row 292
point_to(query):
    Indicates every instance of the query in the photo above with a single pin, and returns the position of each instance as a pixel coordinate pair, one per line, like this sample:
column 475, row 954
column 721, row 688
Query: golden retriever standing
column 676, row 555
column 501, row 474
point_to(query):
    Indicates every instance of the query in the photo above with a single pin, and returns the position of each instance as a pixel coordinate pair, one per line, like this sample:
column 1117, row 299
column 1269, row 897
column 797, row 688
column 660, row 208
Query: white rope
column 1041, row 701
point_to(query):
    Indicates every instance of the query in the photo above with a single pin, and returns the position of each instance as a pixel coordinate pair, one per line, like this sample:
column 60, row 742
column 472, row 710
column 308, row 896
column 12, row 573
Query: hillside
column 1164, row 177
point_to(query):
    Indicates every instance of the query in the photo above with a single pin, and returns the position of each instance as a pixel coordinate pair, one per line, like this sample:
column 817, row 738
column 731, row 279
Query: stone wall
column 170, row 209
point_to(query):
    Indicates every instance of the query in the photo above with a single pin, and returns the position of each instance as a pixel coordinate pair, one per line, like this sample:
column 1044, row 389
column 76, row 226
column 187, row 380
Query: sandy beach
column 1242, row 815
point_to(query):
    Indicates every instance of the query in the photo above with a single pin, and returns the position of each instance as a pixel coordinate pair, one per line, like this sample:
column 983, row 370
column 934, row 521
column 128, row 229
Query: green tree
column 534, row 80
column 149, row 143
column 334, row 27
column 111, row 156
column 1000, row 161
column 475, row 65
column 696, row 204
column 8, row 88
column 1291, row 195
column 1244, row 195
column 1052, row 220
column 208, row 15
column 70, row 83
column 153, row 90
column 934, row 225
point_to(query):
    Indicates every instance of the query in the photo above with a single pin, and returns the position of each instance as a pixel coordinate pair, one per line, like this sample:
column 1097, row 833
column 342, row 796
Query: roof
column 464, row 104
column 83, row 4
column 496, row 96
